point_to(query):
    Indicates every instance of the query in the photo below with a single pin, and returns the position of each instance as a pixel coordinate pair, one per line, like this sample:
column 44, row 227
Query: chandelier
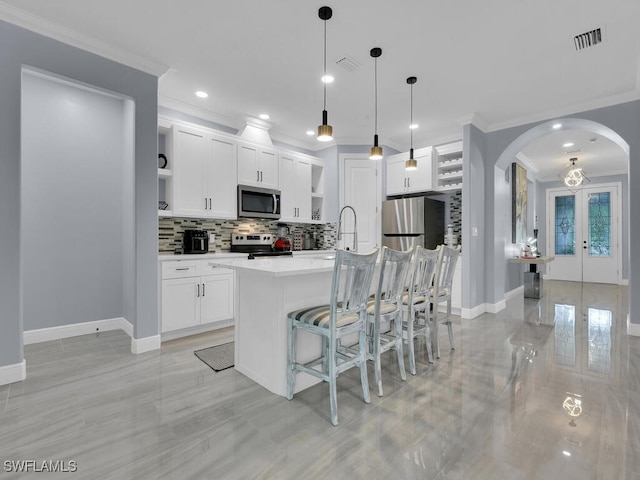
column 573, row 178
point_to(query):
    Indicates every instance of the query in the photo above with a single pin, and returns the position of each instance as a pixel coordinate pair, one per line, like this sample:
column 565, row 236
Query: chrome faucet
column 355, row 227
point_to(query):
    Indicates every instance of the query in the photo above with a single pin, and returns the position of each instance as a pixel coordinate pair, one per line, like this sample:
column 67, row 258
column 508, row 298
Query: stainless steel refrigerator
column 412, row 221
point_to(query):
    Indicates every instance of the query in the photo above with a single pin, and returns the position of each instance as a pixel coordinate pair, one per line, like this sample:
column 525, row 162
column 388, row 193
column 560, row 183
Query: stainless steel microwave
column 258, row 202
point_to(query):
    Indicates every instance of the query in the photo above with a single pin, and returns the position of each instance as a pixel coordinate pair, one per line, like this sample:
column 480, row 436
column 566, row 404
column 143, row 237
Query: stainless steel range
column 255, row 244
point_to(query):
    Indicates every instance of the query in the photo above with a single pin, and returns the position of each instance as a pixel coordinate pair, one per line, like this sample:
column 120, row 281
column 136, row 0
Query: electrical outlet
column 212, row 238
column 474, row 232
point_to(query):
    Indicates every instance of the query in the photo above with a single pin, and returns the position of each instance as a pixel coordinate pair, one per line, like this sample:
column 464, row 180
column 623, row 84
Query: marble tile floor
column 497, row 407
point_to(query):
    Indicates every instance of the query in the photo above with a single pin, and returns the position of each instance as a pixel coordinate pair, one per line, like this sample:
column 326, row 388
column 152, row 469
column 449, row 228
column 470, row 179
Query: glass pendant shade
column 412, row 163
column 376, row 151
column 325, row 131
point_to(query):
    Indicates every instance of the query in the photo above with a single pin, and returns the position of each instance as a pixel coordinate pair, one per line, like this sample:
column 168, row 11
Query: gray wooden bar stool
column 386, row 306
column 346, row 314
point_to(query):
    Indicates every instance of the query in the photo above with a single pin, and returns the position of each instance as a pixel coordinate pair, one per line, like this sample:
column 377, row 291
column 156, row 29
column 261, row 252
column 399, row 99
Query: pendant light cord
column 324, row 78
column 411, row 118
column 375, row 83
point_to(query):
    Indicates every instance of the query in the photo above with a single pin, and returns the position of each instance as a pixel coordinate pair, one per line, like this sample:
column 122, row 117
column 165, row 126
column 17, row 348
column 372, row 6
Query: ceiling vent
column 347, row 63
column 588, row 39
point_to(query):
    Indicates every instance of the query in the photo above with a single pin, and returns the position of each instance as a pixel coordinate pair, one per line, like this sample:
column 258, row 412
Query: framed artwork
column 518, row 203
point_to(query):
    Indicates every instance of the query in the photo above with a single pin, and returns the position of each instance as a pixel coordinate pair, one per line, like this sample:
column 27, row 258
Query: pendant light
column 325, row 131
column 376, row 151
column 573, row 177
column 411, row 164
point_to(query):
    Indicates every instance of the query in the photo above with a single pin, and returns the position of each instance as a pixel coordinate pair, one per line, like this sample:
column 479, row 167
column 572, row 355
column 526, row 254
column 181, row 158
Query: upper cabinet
column 257, row 165
column 204, row 173
column 204, row 168
column 401, row 181
column 447, row 164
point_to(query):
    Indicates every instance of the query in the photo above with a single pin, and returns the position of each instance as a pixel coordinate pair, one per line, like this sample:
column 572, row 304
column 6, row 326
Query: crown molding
column 199, row 112
column 527, row 162
column 474, row 119
column 65, row 35
column 601, row 102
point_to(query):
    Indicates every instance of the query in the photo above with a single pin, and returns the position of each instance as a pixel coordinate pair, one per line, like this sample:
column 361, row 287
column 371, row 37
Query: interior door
column 583, row 232
column 360, row 188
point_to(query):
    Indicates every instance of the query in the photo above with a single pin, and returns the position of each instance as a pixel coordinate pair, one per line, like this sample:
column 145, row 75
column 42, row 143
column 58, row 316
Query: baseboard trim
column 473, row 312
column 16, row 372
column 495, row 307
column 73, row 330
column 516, row 292
column 633, row 329
column 145, row 344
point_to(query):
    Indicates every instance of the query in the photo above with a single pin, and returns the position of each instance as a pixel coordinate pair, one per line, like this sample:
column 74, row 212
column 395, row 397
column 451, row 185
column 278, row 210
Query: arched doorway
column 503, row 248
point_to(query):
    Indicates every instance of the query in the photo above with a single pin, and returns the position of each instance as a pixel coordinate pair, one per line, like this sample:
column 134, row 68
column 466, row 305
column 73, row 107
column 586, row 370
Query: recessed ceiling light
column 327, row 78
column 566, row 453
column 556, row 126
column 568, row 144
column 264, row 116
column 310, row 132
column 201, row 94
column 413, row 126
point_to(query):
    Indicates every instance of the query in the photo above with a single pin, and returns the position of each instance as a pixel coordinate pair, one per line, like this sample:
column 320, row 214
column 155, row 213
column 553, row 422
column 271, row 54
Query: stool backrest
column 425, row 262
column 394, row 268
column 351, row 283
column 446, row 266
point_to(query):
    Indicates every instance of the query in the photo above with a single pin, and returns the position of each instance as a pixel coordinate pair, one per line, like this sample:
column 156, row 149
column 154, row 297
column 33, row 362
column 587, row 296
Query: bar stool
column 346, row 314
column 441, row 291
column 386, row 306
column 417, row 301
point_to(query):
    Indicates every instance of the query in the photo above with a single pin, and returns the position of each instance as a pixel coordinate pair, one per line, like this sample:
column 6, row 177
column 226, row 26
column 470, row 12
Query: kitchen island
column 267, row 289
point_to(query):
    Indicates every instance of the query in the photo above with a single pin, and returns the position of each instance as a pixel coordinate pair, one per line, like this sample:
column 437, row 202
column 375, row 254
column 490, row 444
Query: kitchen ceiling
column 502, row 63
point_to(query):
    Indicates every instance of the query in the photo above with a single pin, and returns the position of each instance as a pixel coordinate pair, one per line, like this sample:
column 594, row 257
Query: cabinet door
column 303, row 190
column 288, row 188
column 396, row 174
column 421, row 179
column 217, row 302
column 222, row 177
column 268, row 163
column 248, row 170
column 190, row 154
column 180, row 303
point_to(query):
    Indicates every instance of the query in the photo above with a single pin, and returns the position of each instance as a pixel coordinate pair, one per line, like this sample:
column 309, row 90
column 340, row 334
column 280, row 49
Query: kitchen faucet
column 355, row 227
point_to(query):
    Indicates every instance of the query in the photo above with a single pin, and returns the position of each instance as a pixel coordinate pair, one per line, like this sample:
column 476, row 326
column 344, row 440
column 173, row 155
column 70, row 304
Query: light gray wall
column 624, row 119
column 72, row 203
column 473, row 216
column 22, row 47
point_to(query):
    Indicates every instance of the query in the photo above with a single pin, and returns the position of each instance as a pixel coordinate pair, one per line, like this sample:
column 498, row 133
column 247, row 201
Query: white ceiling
column 500, row 62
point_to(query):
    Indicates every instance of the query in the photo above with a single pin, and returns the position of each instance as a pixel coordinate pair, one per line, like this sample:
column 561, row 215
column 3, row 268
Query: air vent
column 348, row 63
column 588, row 39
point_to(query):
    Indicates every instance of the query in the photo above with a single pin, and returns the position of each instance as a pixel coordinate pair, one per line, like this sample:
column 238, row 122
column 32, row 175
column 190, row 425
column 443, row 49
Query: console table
column 532, row 280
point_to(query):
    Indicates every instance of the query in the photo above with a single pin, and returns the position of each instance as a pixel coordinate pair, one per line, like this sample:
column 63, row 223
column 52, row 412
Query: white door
column 583, row 232
column 360, row 188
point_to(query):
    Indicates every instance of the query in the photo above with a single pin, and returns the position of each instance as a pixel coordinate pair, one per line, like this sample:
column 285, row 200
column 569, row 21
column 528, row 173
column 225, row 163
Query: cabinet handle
column 203, row 289
column 198, row 290
column 210, row 207
column 257, row 175
column 261, row 176
column 182, row 268
column 408, row 182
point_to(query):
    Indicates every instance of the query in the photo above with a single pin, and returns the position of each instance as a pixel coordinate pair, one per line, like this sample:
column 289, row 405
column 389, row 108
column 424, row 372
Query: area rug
column 219, row 357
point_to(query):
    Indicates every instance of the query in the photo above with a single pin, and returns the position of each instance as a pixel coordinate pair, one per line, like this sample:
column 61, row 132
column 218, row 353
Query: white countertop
column 283, row 266
column 165, row 257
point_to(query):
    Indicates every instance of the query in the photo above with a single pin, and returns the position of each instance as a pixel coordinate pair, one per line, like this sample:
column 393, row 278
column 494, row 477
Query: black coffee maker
column 196, row 241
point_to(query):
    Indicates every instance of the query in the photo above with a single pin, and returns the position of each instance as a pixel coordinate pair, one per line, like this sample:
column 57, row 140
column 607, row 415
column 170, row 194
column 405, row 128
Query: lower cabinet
column 195, row 294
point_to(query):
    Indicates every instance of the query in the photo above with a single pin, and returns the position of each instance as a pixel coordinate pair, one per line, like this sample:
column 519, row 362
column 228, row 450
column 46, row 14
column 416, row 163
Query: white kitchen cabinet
column 195, row 294
column 447, row 165
column 204, row 173
column 401, row 181
column 295, row 186
column 257, row 165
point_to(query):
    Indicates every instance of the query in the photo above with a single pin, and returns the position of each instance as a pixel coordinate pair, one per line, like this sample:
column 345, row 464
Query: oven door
column 258, row 202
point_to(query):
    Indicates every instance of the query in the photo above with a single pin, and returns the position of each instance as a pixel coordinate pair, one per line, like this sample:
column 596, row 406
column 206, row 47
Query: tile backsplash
column 171, row 229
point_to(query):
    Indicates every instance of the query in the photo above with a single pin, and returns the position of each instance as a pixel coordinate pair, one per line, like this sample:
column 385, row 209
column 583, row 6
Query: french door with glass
column 583, row 233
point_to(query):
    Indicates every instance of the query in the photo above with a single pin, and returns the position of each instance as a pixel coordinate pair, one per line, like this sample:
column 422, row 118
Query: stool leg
column 412, row 356
column 333, row 374
column 291, row 358
column 435, row 340
column 398, row 347
column 449, row 327
column 363, row 364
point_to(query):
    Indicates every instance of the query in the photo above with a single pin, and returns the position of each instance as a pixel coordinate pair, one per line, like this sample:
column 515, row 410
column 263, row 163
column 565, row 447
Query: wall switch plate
column 474, row 231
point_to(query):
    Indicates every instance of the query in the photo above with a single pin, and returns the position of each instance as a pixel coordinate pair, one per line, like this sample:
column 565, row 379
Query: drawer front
column 179, row 269
column 204, row 268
